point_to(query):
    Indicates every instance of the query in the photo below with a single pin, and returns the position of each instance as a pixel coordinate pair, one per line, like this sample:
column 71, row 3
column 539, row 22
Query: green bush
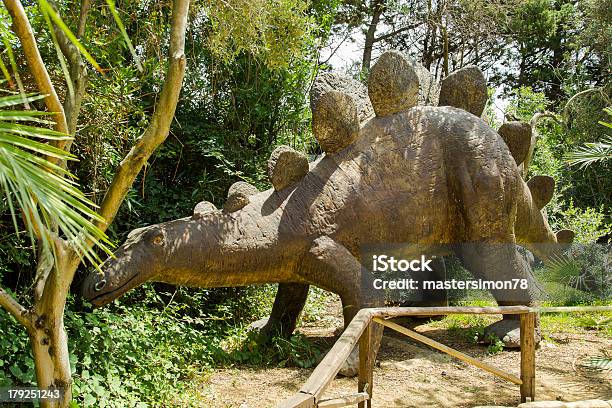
column 581, row 276
column 589, row 224
column 144, row 349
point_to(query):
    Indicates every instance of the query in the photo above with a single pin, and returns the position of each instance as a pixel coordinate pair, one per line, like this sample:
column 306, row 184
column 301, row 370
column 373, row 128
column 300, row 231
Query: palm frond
column 600, row 363
column 591, row 153
column 113, row 9
column 46, row 194
column 5, row 73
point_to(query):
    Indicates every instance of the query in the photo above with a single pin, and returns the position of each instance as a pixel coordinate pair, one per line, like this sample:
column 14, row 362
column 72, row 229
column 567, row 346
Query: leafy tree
column 44, row 319
column 444, row 35
column 252, row 98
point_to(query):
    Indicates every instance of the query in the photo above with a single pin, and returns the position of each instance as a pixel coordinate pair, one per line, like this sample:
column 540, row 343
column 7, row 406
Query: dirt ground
column 409, row 374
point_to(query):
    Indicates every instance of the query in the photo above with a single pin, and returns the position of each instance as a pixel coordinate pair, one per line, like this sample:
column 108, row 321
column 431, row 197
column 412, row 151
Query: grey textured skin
column 426, row 175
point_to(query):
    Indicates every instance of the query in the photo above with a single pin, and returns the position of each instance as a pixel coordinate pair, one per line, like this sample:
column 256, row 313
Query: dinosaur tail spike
column 335, row 121
column 517, row 136
column 465, row 88
column 393, row 85
column 542, row 189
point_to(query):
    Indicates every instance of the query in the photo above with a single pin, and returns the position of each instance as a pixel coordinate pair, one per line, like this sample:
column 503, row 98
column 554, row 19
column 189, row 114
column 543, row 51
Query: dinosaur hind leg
column 288, row 304
column 501, row 264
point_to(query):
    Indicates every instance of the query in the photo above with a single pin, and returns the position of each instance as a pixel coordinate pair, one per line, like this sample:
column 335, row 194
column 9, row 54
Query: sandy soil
column 409, row 374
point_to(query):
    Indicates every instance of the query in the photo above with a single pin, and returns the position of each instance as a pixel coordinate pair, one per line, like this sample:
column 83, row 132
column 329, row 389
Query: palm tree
column 45, row 193
column 593, row 152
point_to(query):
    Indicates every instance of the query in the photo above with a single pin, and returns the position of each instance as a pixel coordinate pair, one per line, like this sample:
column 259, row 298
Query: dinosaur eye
column 158, row 240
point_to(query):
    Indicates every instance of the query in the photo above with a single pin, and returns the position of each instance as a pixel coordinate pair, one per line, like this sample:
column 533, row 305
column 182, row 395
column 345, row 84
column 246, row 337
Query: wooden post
column 528, row 356
column 366, row 365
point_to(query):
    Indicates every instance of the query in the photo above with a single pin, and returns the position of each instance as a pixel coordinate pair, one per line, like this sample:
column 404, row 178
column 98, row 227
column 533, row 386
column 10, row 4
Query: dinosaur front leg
column 331, row 266
column 288, row 304
column 502, row 263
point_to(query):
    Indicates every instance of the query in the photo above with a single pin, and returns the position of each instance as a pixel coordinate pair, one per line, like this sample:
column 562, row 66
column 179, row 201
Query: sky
column 349, row 52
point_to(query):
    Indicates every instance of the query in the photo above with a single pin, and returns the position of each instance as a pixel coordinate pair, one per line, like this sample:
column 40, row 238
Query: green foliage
column 49, row 12
column 273, row 31
column 45, row 193
column 298, row 351
column 577, row 322
column 316, row 307
column 146, row 349
column 593, row 152
column 16, row 362
column 589, row 224
column 602, row 362
column 496, row 346
column 135, row 355
column 581, row 199
column 582, row 275
column 524, row 102
column 559, row 46
column 595, row 322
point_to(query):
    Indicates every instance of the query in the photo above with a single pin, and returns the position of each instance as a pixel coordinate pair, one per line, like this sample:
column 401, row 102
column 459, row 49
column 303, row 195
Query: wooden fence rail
column 361, row 330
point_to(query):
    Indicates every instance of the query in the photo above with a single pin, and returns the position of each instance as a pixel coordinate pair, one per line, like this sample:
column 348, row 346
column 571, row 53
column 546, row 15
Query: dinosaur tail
column 531, row 228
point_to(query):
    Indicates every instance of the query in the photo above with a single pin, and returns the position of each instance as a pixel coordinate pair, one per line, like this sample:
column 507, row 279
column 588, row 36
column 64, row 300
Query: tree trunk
column 445, row 51
column 44, row 322
column 52, row 360
column 370, row 39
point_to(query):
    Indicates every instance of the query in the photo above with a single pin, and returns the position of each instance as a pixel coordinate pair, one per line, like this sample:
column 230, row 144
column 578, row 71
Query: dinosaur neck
column 233, row 249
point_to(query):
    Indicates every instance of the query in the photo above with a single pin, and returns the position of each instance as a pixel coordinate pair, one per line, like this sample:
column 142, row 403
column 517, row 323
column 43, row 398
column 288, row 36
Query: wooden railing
column 361, row 330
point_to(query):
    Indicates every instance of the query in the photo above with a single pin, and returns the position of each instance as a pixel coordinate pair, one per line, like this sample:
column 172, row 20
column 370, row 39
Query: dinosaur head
column 138, row 260
column 185, row 251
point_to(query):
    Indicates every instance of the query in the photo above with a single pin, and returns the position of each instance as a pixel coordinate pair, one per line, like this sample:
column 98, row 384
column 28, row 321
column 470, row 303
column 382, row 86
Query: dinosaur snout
column 93, row 286
column 100, row 285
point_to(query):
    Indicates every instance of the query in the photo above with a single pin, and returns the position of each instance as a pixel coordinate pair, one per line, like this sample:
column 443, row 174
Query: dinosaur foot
column 350, row 367
column 265, row 329
column 509, row 332
column 262, row 329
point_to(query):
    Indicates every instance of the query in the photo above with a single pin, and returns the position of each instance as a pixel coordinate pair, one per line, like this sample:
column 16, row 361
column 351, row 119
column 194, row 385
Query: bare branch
column 14, row 308
column 534, row 136
column 396, row 32
column 157, row 131
column 571, row 100
column 85, row 6
column 23, row 30
column 346, row 37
